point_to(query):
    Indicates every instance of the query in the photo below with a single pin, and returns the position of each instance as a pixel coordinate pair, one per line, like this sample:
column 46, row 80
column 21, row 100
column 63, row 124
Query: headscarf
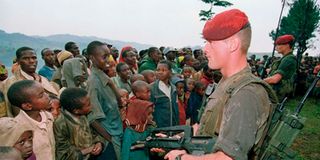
column 11, row 130
column 137, row 114
column 125, row 48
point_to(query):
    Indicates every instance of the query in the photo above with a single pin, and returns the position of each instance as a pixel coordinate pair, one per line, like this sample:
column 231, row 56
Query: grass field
column 307, row 144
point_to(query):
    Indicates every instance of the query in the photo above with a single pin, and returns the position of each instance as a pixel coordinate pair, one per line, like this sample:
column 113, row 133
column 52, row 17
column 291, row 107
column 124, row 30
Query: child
column 187, row 72
column 138, row 120
column 136, row 77
column 123, row 78
column 74, row 139
column 55, row 106
column 124, row 102
column 195, row 101
column 9, row 153
column 149, row 76
column 164, row 97
column 188, row 88
column 32, row 100
column 18, row 135
column 182, row 105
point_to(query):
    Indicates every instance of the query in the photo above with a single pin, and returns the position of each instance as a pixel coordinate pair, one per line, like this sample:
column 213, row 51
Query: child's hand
column 97, row 148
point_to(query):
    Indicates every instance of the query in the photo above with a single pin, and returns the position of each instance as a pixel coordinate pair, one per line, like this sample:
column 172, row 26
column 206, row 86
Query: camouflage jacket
column 72, row 135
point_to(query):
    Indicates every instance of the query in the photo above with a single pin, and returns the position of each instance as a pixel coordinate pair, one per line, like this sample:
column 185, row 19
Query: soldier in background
column 282, row 72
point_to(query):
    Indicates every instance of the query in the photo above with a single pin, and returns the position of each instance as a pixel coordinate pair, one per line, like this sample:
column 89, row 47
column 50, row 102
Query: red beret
column 224, row 25
column 285, row 39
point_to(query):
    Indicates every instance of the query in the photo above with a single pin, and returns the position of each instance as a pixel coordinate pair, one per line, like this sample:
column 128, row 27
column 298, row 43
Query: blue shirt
column 47, row 72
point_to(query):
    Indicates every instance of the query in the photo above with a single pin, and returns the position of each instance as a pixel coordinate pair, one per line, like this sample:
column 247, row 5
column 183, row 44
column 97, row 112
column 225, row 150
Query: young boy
column 149, row 76
column 123, row 78
column 31, row 98
column 74, row 138
column 138, row 121
column 182, row 105
column 164, row 97
column 55, row 106
column 18, row 135
column 195, row 101
column 105, row 116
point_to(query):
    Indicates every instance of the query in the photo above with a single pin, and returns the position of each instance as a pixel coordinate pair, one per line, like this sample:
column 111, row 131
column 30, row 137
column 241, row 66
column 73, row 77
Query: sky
column 156, row 22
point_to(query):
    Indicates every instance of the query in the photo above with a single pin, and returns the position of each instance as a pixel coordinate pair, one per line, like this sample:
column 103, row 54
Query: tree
column 207, row 14
column 302, row 21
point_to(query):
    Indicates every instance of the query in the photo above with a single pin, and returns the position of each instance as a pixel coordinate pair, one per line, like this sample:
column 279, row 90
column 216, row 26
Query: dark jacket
column 165, row 113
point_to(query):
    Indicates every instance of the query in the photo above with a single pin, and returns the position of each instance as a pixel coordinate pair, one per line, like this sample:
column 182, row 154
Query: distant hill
column 10, row 42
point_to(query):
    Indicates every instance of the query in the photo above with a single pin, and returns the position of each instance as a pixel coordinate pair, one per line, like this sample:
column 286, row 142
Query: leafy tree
column 302, row 21
column 207, row 14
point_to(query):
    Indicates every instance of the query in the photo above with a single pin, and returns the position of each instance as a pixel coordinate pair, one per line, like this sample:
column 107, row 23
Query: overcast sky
column 156, row 22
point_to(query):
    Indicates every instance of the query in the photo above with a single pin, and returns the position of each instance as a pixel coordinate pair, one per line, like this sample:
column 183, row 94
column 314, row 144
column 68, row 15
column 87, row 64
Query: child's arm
column 99, row 129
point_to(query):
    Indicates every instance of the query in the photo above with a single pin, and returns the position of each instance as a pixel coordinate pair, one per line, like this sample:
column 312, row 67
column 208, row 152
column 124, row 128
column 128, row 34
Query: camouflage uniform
column 287, row 67
column 237, row 114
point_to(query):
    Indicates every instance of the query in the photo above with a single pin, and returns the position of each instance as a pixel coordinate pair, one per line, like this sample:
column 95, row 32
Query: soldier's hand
column 174, row 153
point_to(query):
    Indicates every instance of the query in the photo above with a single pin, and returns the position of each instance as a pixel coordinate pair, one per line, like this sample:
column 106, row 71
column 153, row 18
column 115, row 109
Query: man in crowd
column 49, row 59
column 150, row 63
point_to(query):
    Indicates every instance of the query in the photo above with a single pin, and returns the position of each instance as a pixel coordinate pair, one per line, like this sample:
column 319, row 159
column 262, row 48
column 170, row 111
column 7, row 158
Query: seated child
column 18, row 135
column 9, row 153
column 55, row 106
column 195, row 101
column 138, row 120
column 149, row 76
column 33, row 102
column 74, row 138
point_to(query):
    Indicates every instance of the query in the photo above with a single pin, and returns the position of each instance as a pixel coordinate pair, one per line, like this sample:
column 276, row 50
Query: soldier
column 238, row 110
column 282, row 72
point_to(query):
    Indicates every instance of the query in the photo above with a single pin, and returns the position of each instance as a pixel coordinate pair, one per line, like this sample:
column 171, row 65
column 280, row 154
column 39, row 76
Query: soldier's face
column 216, row 52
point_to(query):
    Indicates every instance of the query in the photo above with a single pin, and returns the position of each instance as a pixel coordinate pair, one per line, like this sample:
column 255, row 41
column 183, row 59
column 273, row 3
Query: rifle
column 196, row 145
column 284, row 128
column 266, row 64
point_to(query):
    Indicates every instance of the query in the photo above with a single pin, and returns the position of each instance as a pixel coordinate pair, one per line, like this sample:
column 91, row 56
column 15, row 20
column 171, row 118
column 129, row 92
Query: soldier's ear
column 233, row 43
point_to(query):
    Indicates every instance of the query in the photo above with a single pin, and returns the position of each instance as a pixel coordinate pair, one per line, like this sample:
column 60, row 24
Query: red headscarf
column 137, row 114
column 125, row 48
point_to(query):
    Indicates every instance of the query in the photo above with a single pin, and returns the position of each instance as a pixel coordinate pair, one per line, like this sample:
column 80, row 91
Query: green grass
column 307, row 143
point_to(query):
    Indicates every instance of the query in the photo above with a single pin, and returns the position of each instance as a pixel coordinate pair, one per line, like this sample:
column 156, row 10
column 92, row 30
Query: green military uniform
column 72, row 135
column 287, row 67
column 237, row 113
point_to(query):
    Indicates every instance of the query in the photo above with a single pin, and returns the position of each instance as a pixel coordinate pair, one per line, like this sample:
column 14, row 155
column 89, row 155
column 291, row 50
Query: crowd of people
column 97, row 103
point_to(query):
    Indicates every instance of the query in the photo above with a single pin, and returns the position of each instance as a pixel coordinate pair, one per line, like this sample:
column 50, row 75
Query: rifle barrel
column 298, row 109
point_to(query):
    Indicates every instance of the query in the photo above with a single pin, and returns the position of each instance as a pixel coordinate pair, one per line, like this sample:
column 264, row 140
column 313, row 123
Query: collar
column 104, row 78
column 71, row 117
